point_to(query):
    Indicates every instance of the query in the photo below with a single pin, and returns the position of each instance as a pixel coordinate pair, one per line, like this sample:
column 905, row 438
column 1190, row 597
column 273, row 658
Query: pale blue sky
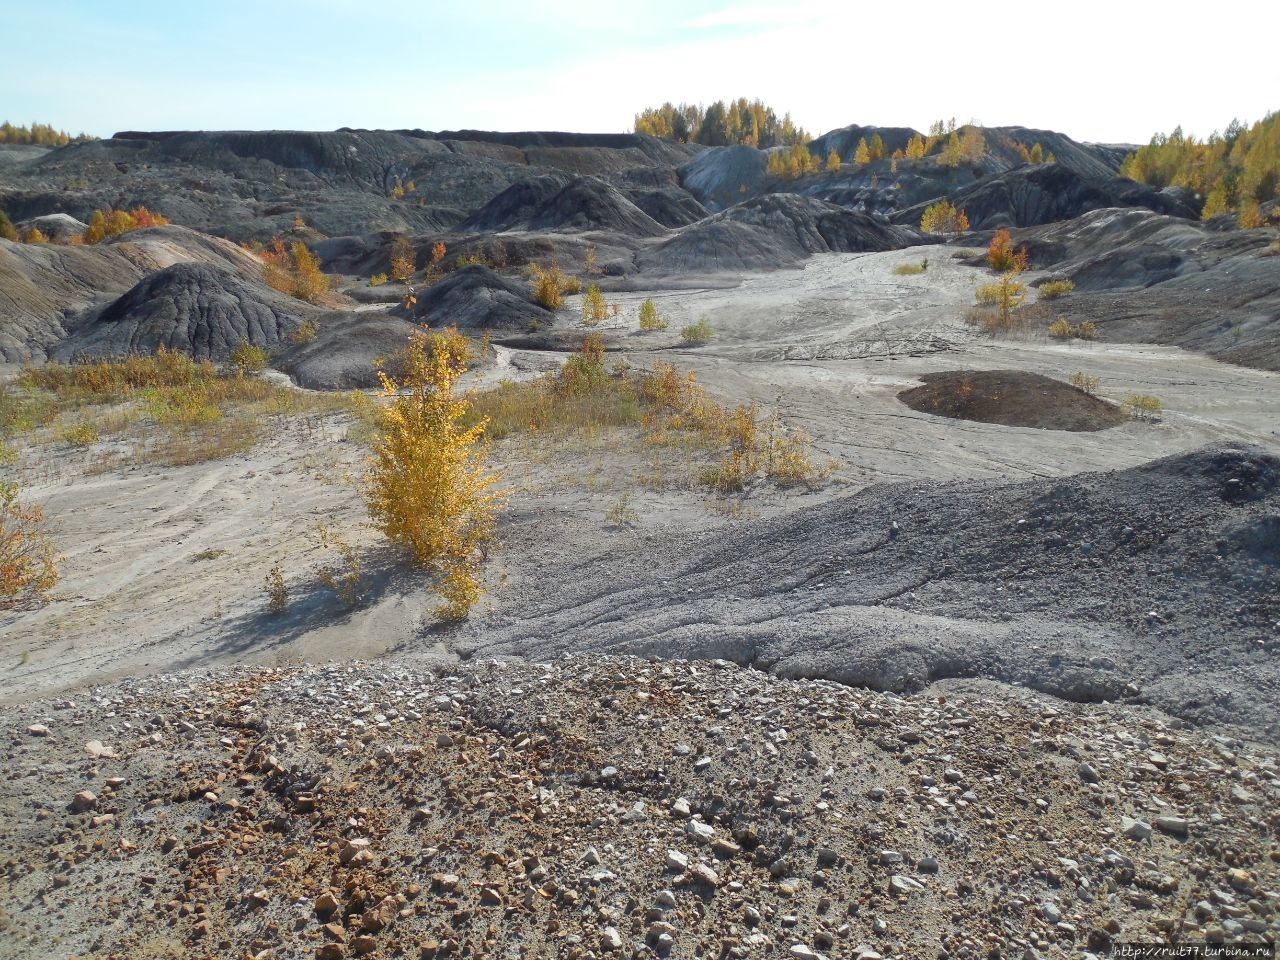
column 1104, row 71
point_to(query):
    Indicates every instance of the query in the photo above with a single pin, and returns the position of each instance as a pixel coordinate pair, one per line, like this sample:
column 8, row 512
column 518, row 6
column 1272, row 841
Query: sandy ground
column 165, row 567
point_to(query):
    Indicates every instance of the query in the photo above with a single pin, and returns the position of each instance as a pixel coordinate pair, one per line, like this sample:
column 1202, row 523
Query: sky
column 1102, row 72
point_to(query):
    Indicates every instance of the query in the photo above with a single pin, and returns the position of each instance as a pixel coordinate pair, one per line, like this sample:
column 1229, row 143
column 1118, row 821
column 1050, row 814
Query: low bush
column 1063, row 330
column 247, row 358
column 1142, row 406
column 911, row 269
column 697, row 334
column 104, row 224
column 595, row 310
column 650, row 318
column 28, row 560
column 1084, row 381
column 547, row 284
column 1055, row 289
column 305, row 332
column 943, row 218
column 277, row 593
column 294, row 270
column 378, row 279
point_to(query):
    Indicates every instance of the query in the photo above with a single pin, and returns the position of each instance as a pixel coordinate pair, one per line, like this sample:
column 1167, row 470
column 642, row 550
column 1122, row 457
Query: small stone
column 1175, row 826
column 1241, row 880
column 1135, row 829
column 890, row 857
column 38, row 730
column 84, row 800
column 364, row 945
column 1050, row 912
column 326, row 903
column 704, row 874
column 702, row 763
column 330, row 951
column 804, row 952
column 927, row 865
column 665, row 899
column 1087, row 773
column 681, row 807
column 904, row 885
column 608, row 773
column 702, row 832
column 677, row 861
column 610, row 940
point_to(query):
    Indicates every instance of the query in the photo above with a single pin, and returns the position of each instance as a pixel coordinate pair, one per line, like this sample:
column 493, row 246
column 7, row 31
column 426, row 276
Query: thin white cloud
column 756, row 15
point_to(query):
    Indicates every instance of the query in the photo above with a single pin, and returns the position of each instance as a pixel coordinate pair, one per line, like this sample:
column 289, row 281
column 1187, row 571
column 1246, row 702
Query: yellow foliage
column 862, row 155
column 649, row 317
column 833, row 162
column 294, row 271
column 943, row 217
column 28, row 560
column 594, row 307
column 404, row 260
column 427, row 488
column 111, row 222
column 34, row 235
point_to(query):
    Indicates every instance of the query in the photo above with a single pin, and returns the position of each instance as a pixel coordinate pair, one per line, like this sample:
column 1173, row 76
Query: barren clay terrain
column 1000, row 677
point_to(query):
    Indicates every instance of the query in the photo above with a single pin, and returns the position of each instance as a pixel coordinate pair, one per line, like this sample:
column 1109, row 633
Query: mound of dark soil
column 1155, row 584
column 670, row 207
column 197, row 308
column 345, row 352
column 476, row 298
column 556, row 202
column 1029, row 195
column 1011, row 398
column 773, row 231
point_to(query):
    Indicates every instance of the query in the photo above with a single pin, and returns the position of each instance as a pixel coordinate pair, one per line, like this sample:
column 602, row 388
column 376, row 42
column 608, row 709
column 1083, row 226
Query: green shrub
column 697, row 334
column 649, row 317
column 1142, row 406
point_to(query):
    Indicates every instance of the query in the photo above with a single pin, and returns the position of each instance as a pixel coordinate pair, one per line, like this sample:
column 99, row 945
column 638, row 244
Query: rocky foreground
column 616, row 807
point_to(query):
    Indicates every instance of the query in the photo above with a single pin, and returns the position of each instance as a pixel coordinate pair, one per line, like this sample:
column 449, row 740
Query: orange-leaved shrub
column 28, row 560
column 111, row 222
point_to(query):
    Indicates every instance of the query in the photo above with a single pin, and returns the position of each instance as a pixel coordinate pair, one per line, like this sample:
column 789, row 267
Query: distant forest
column 39, row 134
column 1234, row 171
column 746, row 122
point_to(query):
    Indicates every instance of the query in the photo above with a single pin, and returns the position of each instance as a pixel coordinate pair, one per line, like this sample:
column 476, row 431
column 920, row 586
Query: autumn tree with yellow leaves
column 427, row 488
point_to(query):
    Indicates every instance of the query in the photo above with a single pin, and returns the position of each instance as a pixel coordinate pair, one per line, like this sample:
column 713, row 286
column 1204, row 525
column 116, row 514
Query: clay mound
column 1031, row 195
column 345, row 351
column 671, row 208
column 45, row 289
column 197, row 308
column 58, row 227
column 717, row 175
column 476, row 298
column 160, row 247
column 1011, row 398
column 773, row 231
column 557, row 203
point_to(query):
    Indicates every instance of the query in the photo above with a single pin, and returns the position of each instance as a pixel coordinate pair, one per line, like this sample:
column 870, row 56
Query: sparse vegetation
column 1054, row 289
column 7, row 230
column 34, row 235
column 344, row 573
column 1062, row 329
column 1001, row 255
column 549, row 285
column 650, row 319
column 305, row 332
column 277, row 593
column 28, row 560
column 248, row 358
column 203, row 413
column 943, row 218
column 294, row 270
column 104, row 224
column 594, row 308
column 428, row 488
column 1084, row 381
column 697, row 334
column 1142, row 406
column 911, row 269
column 404, row 260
